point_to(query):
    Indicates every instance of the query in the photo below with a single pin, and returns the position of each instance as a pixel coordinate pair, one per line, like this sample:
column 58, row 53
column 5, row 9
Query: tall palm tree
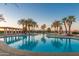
column 35, row 25
column 56, row 25
column 53, row 25
column 64, row 21
column 30, row 24
column 26, row 25
column 60, row 30
column 22, row 22
column 70, row 20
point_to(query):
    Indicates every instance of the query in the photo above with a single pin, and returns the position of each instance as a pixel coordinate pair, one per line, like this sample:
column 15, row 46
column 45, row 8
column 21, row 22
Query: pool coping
column 61, row 36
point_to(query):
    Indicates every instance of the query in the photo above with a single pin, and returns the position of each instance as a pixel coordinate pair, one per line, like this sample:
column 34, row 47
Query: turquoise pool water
column 40, row 43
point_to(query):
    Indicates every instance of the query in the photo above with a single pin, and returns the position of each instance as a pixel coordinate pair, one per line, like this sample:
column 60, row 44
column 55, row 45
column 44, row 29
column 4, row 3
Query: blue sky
column 41, row 13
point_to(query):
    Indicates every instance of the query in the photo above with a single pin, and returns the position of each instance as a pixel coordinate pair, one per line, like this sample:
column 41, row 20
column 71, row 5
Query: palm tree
column 26, row 25
column 70, row 20
column 56, row 25
column 64, row 21
column 22, row 22
column 35, row 25
column 43, row 27
column 60, row 30
column 30, row 24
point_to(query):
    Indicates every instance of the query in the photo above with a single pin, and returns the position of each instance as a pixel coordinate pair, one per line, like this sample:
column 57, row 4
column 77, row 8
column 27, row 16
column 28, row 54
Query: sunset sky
column 41, row 13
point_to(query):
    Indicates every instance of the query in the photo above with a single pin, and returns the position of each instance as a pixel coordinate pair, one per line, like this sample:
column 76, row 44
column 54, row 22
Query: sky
column 41, row 13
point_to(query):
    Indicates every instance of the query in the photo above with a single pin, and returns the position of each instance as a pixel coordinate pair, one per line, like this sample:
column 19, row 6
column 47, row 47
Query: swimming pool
column 41, row 43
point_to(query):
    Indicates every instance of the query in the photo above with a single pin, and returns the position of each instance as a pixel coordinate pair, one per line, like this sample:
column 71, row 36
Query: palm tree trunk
column 54, row 29
column 23, row 28
column 43, row 31
column 29, row 30
column 69, row 29
column 33, row 28
column 57, row 30
column 65, row 27
column 26, row 28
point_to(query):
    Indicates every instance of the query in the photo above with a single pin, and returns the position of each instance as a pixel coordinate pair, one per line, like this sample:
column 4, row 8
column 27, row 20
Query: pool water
column 41, row 43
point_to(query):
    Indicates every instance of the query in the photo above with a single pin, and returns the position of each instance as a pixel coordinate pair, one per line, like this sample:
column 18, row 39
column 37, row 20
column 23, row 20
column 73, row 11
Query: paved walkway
column 3, row 53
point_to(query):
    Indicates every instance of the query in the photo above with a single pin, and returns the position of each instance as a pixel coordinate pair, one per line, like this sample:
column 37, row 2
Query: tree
column 30, row 24
column 69, row 21
column 22, row 22
column 53, row 25
column 43, row 27
column 64, row 21
column 35, row 25
column 56, row 25
column 49, row 29
column 26, row 25
column 60, row 30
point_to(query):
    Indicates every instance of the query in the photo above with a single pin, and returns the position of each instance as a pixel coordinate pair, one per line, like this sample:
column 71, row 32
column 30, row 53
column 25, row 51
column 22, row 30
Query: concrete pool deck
column 3, row 35
column 5, row 50
column 61, row 36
